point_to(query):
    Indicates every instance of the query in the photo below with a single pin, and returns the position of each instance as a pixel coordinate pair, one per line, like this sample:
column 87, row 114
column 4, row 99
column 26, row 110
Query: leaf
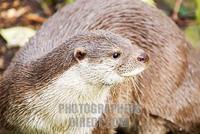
column 17, row 35
column 193, row 35
column 150, row 2
column 198, row 10
column 69, row 1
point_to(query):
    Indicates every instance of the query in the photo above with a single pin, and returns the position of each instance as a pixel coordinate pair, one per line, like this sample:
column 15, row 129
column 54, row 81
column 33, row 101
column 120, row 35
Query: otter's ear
column 79, row 53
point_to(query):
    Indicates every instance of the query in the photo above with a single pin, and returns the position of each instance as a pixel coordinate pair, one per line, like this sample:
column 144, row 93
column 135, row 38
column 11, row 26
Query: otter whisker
column 136, row 89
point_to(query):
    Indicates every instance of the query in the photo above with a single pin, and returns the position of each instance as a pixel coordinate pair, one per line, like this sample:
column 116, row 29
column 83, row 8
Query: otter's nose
column 143, row 58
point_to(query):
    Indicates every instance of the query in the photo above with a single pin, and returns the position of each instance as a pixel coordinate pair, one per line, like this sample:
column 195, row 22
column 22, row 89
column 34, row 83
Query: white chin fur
column 112, row 79
column 134, row 72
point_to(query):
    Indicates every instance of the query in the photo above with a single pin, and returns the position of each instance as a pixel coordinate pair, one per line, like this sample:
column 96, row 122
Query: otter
column 167, row 92
column 81, row 70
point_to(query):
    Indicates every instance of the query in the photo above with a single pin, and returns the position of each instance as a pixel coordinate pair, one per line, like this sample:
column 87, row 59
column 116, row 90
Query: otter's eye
column 116, row 55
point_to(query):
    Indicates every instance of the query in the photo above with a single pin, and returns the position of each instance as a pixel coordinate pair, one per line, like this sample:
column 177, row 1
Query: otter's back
column 117, row 16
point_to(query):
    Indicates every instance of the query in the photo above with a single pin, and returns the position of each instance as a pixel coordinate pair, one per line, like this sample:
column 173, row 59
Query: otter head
column 73, row 73
column 106, row 58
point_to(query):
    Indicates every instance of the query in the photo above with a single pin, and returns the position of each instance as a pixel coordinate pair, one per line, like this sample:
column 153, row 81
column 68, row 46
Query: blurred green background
column 186, row 13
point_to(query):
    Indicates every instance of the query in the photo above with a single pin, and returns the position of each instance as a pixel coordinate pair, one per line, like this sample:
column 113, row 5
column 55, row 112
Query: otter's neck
column 68, row 88
column 71, row 85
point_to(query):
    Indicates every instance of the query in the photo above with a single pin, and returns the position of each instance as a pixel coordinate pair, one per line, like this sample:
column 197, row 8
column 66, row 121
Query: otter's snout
column 134, row 65
column 143, row 58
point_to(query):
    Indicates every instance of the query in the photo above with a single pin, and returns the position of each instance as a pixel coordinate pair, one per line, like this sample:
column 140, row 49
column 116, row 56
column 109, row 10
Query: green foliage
column 193, row 34
column 198, row 11
column 69, row 1
column 150, row 2
column 184, row 11
column 48, row 1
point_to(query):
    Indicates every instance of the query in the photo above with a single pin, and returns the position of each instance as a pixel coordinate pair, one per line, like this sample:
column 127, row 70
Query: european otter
column 169, row 89
column 80, row 71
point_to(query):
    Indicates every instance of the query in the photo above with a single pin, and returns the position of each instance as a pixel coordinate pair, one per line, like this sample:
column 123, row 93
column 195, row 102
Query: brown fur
column 31, row 77
column 168, row 89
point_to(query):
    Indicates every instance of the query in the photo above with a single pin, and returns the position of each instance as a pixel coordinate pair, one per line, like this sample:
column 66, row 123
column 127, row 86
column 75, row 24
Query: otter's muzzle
column 135, row 65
